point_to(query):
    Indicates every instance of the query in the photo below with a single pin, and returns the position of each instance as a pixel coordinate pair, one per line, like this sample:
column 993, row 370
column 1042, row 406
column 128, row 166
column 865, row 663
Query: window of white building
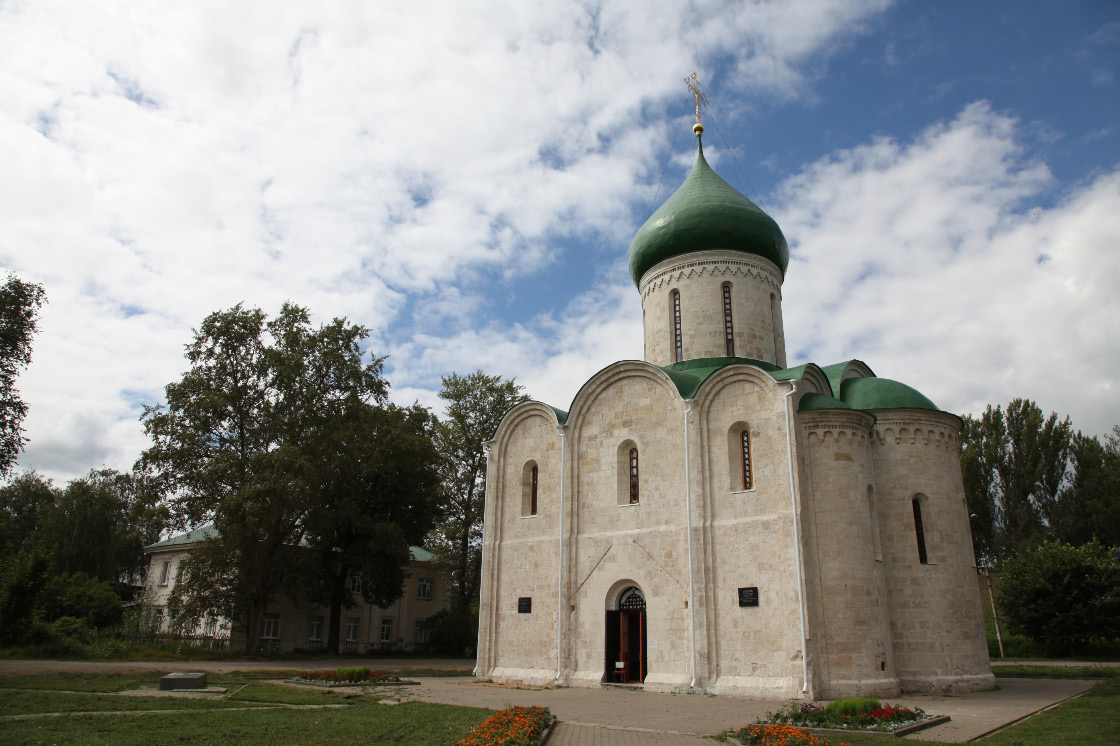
column 387, row 629
column 315, row 628
column 352, row 625
column 424, row 588
column 270, row 627
column 165, row 574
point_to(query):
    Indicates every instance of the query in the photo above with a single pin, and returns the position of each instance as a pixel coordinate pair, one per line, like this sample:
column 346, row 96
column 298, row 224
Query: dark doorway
column 626, row 639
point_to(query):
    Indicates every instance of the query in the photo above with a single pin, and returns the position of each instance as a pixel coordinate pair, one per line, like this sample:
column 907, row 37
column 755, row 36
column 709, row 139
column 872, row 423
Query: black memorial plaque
column 748, row 596
column 525, row 605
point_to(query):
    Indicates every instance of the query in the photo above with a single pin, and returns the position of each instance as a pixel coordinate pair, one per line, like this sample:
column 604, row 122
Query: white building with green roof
column 709, row 519
column 290, row 625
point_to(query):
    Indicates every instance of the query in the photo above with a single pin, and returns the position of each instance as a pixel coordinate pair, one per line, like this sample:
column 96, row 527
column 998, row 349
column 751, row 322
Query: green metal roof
column 706, row 213
column 882, row 393
column 835, row 372
column 813, row 402
column 202, row 533
column 689, row 375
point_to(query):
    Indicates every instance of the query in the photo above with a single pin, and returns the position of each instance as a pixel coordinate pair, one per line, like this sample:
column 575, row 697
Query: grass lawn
column 256, row 719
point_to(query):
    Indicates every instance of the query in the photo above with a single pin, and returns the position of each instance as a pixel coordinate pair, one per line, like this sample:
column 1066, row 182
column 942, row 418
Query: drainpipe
column 482, row 563
column 560, row 567
column 688, row 515
column 797, row 540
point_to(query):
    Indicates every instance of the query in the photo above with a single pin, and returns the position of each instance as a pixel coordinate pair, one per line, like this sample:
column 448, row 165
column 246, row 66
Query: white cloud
column 928, row 261
column 165, row 161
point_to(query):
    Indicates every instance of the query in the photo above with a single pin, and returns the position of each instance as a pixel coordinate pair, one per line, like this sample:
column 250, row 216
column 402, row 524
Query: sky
column 464, row 179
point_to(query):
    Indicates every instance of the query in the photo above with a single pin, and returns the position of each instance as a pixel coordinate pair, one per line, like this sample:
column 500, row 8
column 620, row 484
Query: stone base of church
column 757, row 687
column 947, row 684
column 523, row 676
column 887, row 686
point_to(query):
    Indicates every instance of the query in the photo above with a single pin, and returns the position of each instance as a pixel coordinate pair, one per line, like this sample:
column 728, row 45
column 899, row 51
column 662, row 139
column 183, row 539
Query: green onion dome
column 706, row 213
column 882, row 393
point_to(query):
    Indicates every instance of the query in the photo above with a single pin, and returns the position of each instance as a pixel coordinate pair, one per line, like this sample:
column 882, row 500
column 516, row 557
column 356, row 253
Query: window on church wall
column 629, row 479
column 633, row 476
column 678, row 338
column 728, row 327
column 740, row 463
column 530, row 489
column 745, row 458
column 778, row 353
column 919, row 531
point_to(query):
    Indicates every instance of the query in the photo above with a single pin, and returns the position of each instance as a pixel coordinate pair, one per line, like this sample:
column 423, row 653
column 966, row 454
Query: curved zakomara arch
column 514, row 416
column 813, row 379
column 584, row 402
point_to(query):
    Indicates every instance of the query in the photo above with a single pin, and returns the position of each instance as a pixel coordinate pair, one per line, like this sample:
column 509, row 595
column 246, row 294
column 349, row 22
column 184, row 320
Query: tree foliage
column 1062, row 594
column 379, row 486
column 261, row 437
column 98, row 524
column 19, row 317
column 1089, row 506
column 475, row 406
column 1014, row 463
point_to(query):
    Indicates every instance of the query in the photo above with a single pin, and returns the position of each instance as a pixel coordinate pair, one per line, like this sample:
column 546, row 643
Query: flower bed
column 513, row 726
column 767, row 734
column 860, row 714
column 349, row 676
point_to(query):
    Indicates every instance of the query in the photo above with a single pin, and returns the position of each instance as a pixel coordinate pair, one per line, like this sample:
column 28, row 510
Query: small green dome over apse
column 882, row 393
column 706, row 213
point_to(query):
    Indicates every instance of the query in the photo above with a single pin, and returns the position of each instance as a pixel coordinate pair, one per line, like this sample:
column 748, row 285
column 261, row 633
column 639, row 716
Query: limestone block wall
column 935, row 615
column 747, row 539
column 616, row 544
column 521, row 550
column 843, row 558
column 699, row 277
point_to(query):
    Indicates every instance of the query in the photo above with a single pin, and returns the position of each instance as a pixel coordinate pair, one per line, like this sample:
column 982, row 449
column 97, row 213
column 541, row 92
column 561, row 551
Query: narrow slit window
column 533, row 494
column 633, row 476
column 919, row 531
column 678, row 340
column 728, row 329
column 745, row 445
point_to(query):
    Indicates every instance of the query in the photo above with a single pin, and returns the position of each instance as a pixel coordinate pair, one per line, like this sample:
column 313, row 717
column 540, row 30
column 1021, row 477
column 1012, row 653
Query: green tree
column 25, row 502
column 983, row 445
column 475, row 406
column 1015, row 466
column 379, row 486
column 1089, row 506
column 1062, row 594
column 237, row 441
column 79, row 596
column 21, row 577
column 19, row 321
column 99, row 524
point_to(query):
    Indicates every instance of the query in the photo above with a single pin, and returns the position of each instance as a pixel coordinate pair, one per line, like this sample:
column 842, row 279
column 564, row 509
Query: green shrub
column 851, row 706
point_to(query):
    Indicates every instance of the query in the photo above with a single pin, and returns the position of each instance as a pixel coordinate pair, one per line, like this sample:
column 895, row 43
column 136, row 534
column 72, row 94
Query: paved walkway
column 610, row 717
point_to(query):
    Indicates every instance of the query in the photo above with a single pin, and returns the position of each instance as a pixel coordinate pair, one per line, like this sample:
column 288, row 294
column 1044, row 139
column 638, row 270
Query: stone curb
column 339, row 684
column 547, row 733
column 939, row 720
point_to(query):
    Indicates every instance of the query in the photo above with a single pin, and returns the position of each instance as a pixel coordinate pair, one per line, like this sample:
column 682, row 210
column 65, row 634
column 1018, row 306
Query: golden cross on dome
column 694, row 87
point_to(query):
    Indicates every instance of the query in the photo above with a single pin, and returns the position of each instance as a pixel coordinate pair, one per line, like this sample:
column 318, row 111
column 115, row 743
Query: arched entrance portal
column 626, row 639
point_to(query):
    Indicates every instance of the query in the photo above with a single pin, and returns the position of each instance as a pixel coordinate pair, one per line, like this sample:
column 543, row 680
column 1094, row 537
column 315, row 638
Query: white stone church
column 709, row 519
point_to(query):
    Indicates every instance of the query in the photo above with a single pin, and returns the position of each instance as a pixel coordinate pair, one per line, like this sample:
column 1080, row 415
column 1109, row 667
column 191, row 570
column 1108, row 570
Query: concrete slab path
column 605, row 717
